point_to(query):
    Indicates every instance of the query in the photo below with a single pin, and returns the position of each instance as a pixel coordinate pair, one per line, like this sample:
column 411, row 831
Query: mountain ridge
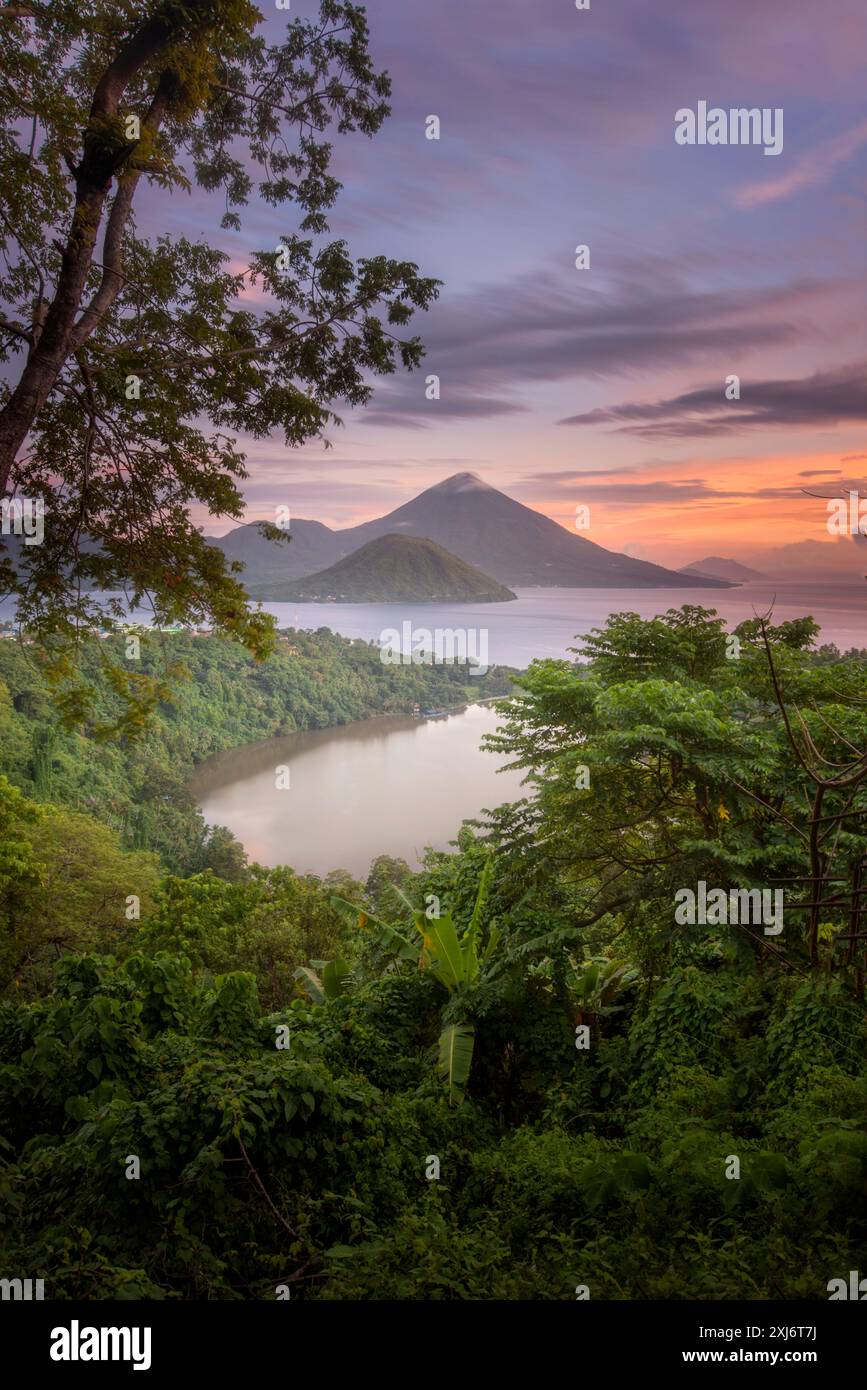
column 475, row 522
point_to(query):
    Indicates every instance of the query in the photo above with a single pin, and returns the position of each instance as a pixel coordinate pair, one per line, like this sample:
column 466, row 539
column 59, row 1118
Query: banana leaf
column 444, row 948
column 310, row 981
column 455, row 1058
column 336, row 978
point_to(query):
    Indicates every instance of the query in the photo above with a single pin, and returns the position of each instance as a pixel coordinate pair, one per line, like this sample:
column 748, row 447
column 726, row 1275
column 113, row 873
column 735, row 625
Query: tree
column 132, row 363
column 65, row 884
column 834, row 836
column 667, row 762
column 271, row 922
column 44, row 738
column 385, row 873
column 20, row 871
column 223, row 854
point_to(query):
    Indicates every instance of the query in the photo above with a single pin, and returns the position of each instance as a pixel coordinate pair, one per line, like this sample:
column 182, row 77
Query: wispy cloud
column 827, row 398
column 489, row 346
column 814, row 167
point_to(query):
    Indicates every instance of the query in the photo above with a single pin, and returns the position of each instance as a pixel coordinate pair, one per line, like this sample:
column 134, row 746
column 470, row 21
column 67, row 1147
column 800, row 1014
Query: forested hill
column 392, row 569
column 220, row 698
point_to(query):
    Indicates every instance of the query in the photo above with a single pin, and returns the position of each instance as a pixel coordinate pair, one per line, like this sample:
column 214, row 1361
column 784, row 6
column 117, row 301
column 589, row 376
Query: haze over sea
column 545, row 622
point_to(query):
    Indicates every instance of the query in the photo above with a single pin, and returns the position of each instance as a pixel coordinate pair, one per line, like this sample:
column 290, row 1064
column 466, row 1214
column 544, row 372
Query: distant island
column 717, row 567
column 391, row 569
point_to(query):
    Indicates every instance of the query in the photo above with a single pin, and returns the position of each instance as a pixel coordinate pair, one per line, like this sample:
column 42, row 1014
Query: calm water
column 382, row 786
column 544, row 622
column 395, row 785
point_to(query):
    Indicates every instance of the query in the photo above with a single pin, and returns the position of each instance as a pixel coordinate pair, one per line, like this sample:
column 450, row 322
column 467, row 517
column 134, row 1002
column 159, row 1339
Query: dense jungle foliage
column 93, row 748
column 509, row 1075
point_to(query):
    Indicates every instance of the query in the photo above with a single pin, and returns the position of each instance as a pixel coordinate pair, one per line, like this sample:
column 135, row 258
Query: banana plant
column 455, row 1057
column 596, row 984
column 394, row 943
column 456, row 959
column 335, row 979
column 458, row 962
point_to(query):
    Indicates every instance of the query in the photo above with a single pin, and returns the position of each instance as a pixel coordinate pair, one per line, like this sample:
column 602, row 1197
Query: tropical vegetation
column 508, row 1073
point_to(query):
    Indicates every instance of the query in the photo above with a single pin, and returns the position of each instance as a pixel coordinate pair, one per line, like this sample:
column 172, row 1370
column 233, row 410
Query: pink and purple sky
column 605, row 387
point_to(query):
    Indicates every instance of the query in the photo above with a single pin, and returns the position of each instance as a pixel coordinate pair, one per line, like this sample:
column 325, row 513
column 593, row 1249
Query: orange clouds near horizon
column 742, row 507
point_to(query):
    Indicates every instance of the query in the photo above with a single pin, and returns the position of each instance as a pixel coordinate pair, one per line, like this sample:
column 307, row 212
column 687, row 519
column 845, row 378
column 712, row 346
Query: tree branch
column 16, row 330
column 264, row 1191
column 99, row 163
column 112, row 247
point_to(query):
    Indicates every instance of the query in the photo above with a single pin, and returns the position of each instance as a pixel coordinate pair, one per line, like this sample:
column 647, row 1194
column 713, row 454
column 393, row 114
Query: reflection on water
column 391, row 785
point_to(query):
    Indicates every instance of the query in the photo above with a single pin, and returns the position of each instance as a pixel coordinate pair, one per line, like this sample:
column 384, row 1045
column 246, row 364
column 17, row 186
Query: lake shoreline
column 344, row 724
column 340, row 797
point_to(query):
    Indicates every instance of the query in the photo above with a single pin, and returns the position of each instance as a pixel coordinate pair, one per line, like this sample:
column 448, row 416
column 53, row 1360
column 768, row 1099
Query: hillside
column 393, row 569
column 311, row 547
column 473, row 521
column 314, row 680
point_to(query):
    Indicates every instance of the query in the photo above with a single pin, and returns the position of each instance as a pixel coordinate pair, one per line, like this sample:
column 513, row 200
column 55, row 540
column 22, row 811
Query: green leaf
column 310, row 981
column 484, row 890
column 493, row 942
column 336, row 978
column 441, row 942
column 455, row 1058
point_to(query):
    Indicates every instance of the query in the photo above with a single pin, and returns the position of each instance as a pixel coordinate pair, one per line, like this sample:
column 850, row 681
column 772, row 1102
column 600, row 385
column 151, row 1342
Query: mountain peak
column 462, row 482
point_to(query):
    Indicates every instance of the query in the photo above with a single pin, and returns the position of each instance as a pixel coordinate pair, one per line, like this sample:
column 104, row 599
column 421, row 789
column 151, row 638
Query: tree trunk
column 100, row 163
column 48, row 356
